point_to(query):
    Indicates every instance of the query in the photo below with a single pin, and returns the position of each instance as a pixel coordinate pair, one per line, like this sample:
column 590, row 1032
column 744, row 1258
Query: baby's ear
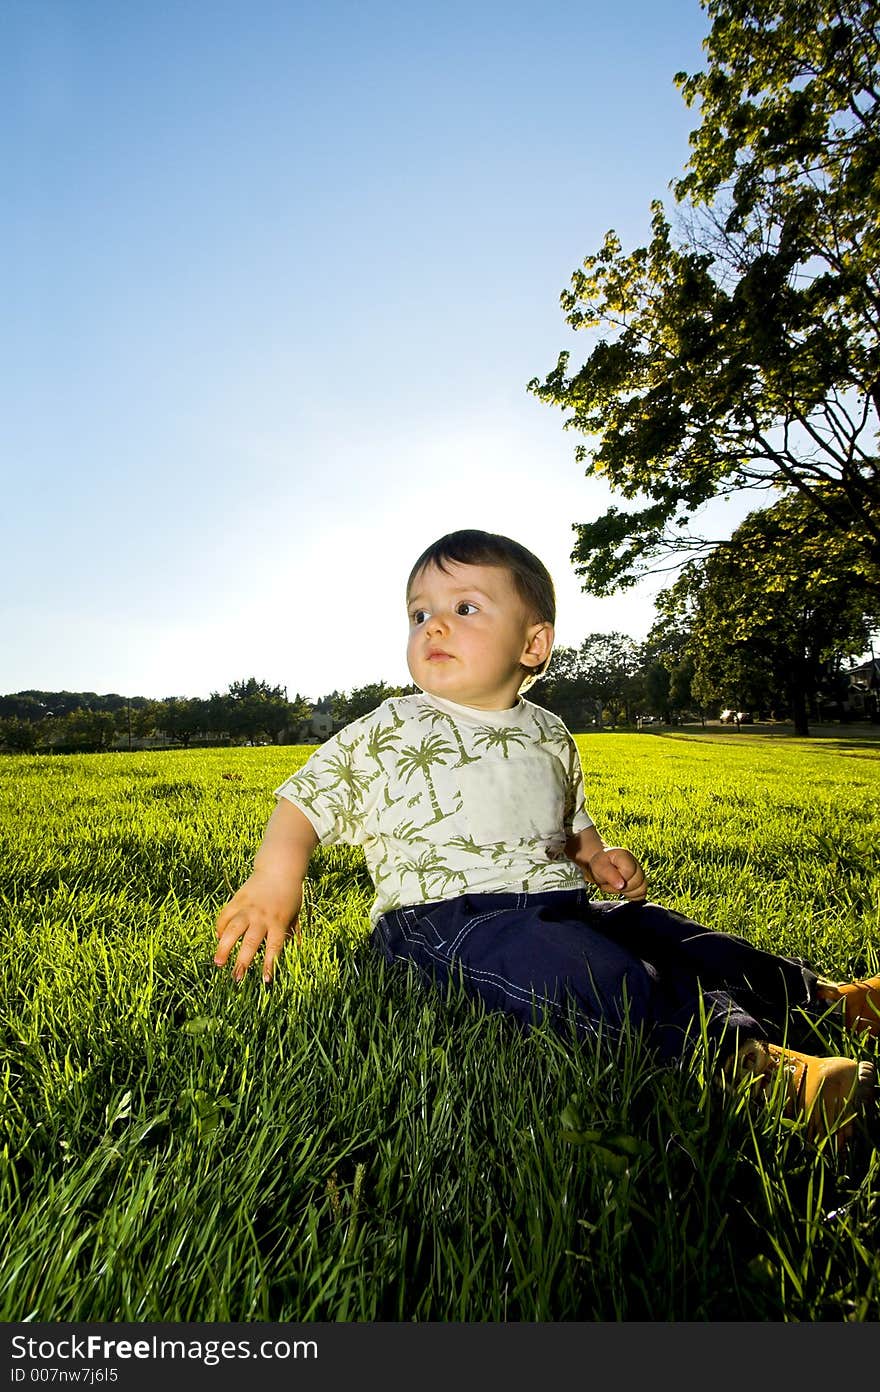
column 539, row 645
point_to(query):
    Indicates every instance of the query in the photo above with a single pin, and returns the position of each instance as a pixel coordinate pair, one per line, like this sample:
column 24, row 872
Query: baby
column 468, row 803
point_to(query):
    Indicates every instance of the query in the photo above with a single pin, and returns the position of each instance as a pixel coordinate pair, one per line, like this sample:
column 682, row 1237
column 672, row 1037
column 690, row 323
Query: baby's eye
column 418, row 616
column 465, row 607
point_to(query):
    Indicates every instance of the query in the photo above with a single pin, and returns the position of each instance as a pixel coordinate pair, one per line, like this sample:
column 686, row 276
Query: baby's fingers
column 236, row 910
column 239, row 925
column 636, row 891
column 276, row 939
column 636, row 885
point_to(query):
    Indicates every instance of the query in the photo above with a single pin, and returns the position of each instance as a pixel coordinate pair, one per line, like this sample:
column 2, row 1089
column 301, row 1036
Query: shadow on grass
column 863, row 744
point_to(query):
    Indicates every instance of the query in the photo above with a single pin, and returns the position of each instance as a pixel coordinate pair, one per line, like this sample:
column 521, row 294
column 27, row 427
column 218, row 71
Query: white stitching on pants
column 513, row 990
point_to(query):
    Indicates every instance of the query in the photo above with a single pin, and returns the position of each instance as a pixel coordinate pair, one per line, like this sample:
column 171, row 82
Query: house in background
column 318, row 727
column 863, row 695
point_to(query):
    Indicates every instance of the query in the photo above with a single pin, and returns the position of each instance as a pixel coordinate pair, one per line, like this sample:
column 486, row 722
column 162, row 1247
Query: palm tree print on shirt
column 468, row 844
column 380, row 739
column 430, row 868
column 356, row 781
column 419, row 758
column 450, row 725
column 370, row 788
column 501, row 735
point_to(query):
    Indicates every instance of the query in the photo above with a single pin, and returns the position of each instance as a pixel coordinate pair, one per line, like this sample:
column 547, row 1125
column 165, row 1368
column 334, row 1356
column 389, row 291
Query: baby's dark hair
column 531, row 578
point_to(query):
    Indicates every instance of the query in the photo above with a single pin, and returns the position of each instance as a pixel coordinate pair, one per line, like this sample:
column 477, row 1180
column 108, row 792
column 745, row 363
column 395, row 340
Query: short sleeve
column 332, row 789
column 577, row 818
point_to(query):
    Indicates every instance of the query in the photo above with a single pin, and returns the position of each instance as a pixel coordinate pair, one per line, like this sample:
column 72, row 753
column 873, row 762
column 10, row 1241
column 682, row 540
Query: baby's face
column 470, row 635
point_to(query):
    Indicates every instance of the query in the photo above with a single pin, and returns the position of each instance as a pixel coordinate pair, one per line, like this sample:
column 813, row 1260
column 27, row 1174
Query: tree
column 23, row 706
column 657, row 688
column 563, row 689
column 143, row 717
column 742, row 351
column 18, row 735
column 299, row 716
column 84, row 730
column 609, row 662
column 252, row 710
column 349, row 706
column 772, row 613
column 667, row 665
column 181, row 718
column 682, row 696
column 583, row 683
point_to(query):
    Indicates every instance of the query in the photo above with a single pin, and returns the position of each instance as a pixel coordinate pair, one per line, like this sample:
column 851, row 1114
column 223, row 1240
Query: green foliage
column 772, row 613
column 682, row 696
column 254, row 710
column 361, row 700
column 70, row 720
column 18, row 735
column 658, row 683
column 182, row 719
column 84, row 721
column 742, row 349
column 602, row 674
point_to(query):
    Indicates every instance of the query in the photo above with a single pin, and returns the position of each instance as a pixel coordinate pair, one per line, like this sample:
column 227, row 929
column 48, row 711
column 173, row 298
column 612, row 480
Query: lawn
column 344, row 1146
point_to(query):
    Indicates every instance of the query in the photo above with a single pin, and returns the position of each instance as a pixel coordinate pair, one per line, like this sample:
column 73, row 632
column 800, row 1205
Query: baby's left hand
column 616, row 871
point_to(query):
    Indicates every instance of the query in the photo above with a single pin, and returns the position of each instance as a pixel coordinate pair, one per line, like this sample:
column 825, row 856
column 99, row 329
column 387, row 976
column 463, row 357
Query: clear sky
column 275, row 276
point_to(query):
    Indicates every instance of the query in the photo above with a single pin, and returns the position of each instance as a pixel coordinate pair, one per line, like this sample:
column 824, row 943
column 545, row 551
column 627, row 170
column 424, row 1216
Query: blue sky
column 275, row 276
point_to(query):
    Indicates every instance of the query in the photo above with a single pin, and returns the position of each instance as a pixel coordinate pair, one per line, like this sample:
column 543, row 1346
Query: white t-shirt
column 448, row 800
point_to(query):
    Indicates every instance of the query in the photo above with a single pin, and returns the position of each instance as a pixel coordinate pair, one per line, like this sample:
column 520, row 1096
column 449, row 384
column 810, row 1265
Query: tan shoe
column 861, row 1002
column 827, row 1092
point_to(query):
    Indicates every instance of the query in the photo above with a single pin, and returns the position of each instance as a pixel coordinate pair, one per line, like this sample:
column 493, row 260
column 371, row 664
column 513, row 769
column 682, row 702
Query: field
column 344, row 1146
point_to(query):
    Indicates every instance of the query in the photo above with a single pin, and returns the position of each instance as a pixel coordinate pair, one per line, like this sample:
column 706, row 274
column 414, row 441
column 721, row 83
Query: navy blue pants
column 563, row 956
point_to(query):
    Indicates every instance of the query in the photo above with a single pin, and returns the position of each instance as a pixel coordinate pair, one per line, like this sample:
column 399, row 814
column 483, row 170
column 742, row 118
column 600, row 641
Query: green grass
column 346, row 1146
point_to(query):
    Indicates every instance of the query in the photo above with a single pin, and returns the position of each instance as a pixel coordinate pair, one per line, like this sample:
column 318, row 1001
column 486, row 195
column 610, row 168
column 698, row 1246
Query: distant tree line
column 769, row 624
column 248, row 712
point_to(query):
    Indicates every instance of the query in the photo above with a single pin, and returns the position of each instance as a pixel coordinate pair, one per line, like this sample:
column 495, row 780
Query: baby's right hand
column 264, row 908
column 616, row 871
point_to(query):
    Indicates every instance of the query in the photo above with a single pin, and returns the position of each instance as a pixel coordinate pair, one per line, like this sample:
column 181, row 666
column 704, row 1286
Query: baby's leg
column 765, row 985
column 777, row 991
column 828, row 1093
column 529, row 955
column 861, row 1002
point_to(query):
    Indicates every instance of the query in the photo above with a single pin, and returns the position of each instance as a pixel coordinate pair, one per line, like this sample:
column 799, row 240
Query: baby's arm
column 611, row 868
column 269, row 901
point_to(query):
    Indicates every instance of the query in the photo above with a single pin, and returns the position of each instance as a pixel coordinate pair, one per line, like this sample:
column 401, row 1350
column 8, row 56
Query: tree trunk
column 799, row 712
